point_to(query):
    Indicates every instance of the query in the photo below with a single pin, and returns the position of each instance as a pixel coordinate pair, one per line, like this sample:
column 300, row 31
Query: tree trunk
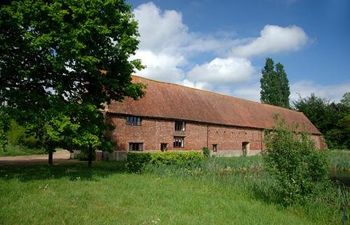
column 50, row 157
column 90, row 157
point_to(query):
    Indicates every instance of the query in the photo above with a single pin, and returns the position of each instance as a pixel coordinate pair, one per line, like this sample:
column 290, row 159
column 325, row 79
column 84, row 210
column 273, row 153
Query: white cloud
column 164, row 31
column 273, row 39
column 330, row 92
column 166, row 44
column 222, row 71
column 248, row 91
column 160, row 31
column 167, row 48
column 161, row 66
column 298, row 89
column 197, row 85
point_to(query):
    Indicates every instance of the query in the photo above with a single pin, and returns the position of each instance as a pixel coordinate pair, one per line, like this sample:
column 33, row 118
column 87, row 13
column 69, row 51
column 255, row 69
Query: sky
column 222, row 45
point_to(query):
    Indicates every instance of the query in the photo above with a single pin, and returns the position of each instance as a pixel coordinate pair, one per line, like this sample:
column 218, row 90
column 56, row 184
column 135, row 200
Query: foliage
column 84, row 156
column 61, row 56
column 77, row 50
column 206, row 152
column 136, row 162
column 274, row 85
column 339, row 160
column 20, row 150
column 346, row 100
column 294, row 162
column 4, row 127
column 332, row 119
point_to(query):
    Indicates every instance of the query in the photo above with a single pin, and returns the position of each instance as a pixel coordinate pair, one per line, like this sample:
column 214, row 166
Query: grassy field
column 221, row 191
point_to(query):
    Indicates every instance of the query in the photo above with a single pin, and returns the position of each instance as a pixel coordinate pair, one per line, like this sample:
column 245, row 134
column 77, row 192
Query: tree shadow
column 73, row 171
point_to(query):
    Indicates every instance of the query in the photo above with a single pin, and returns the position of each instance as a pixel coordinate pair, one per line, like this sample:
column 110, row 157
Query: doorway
column 245, row 148
column 163, row 147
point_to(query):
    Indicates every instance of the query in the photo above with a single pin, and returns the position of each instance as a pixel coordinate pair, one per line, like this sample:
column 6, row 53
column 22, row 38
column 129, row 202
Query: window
column 215, row 147
column 163, row 147
column 135, row 146
column 179, row 142
column 133, row 120
column 179, row 125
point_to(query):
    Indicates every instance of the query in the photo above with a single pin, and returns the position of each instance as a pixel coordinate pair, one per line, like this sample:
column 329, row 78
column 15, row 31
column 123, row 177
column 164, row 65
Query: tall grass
column 339, row 160
column 216, row 191
column 247, row 175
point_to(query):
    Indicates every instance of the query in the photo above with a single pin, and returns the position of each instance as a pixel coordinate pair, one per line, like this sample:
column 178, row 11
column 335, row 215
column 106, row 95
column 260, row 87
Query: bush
column 84, row 156
column 136, row 162
column 206, row 152
column 295, row 163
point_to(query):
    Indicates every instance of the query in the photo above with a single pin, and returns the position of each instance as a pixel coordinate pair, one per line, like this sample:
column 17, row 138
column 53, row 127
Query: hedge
column 136, row 161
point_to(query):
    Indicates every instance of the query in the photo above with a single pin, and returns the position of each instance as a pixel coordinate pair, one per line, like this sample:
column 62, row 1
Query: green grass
column 340, row 165
column 339, row 159
column 221, row 191
column 17, row 150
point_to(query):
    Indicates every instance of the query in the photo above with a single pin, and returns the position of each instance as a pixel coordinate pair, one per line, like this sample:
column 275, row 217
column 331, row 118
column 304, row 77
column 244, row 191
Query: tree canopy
column 332, row 119
column 274, row 85
column 61, row 59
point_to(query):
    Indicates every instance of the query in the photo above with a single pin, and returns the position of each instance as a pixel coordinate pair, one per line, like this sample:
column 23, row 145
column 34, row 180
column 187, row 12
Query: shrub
column 206, row 152
column 294, row 162
column 137, row 161
column 84, row 156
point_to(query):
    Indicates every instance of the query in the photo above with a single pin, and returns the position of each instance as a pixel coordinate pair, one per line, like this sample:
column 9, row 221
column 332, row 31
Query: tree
column 332, row 119
column 346, row 100
column 292, row 159
column 284, row 85
column 53, row 128
column 274, row 85
column 57, row 53
column 4, row 127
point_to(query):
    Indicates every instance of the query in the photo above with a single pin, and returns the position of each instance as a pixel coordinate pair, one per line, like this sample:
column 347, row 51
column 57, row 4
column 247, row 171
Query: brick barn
column 174, row 117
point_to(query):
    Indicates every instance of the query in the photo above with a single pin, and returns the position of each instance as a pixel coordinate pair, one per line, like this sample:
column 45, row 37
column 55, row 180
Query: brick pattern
column 153, row 132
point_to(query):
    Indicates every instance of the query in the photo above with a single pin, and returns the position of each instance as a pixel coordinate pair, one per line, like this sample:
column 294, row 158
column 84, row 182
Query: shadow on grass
column 72, row 171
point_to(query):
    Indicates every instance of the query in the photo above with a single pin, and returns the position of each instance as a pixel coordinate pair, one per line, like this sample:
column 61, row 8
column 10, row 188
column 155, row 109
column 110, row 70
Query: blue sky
column 222, row 45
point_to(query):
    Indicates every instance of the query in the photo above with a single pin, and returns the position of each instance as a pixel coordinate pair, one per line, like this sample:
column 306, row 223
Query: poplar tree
column 274, row 85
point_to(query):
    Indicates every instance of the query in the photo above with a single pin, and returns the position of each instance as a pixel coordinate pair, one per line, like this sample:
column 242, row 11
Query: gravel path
column 59, row 157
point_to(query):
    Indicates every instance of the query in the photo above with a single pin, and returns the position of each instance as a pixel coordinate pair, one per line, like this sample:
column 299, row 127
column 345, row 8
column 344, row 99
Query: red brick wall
column 230, row 138
column 319, row 141
column 153, row 132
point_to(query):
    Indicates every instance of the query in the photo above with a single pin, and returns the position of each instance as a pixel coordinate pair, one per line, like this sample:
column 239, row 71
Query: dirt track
column 58, row 158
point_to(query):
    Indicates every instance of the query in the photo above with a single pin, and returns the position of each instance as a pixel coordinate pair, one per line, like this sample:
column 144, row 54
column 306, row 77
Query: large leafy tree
column 332, row 119
column 346, row 100
column 58, row 53
column 274, row 85
column 4, row 127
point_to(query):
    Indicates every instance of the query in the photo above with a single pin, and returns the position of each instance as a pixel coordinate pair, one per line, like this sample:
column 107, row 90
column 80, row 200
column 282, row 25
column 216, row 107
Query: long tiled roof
column 172, row 101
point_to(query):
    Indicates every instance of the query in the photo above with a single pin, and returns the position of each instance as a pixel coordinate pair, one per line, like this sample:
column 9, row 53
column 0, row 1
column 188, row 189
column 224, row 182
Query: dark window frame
column 134, row 120
column 179, row 142
column 180, row 125
column 136, row 146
